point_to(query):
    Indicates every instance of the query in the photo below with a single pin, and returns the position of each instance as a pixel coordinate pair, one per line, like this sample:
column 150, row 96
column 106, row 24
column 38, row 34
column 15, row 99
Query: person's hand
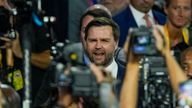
column 161, row 42
column 13, row 44
column 16, row 47
column 101, row 74
column 131, row 57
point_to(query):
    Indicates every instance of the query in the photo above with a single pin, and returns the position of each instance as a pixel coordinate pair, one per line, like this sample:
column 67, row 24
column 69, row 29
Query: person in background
column 136, row 14
column 178, row 17
column 40, row 56
column 76, row 8
column 186, row 61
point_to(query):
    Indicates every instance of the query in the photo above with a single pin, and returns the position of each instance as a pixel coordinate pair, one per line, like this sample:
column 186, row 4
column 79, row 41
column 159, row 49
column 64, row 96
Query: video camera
column 13, row 18
column 155, row 86
column 155, row 83
column 142, row 41
column 80, row 79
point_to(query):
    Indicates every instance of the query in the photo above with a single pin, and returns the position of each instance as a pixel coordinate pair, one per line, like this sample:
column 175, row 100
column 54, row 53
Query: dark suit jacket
column 120, row 78
column 125, row 20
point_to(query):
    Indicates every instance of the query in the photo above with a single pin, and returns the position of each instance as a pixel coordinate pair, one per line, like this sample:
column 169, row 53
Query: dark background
column 59, row 9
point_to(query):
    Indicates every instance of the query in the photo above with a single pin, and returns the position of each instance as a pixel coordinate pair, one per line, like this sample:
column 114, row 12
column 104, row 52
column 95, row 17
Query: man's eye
column 185, row 66
column 92, row 40
column 105, row 40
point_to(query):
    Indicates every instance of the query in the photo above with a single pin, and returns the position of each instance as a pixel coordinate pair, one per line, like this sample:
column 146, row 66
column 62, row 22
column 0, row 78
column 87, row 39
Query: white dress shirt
column 138, row 16
column 113, row 68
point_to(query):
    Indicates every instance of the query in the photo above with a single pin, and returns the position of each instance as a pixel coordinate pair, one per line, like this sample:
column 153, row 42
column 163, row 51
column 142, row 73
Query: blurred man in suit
column 138, row 12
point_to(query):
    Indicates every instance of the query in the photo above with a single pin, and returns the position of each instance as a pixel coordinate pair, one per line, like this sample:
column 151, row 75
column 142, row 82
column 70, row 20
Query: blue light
column 36, row 19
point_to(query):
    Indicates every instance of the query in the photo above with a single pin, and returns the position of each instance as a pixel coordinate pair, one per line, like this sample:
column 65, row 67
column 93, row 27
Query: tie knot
column 147, row 20
column 146, row 16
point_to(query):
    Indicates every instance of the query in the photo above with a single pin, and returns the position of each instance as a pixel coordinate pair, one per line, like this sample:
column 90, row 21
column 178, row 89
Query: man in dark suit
column 101, row 38
column 133, row 16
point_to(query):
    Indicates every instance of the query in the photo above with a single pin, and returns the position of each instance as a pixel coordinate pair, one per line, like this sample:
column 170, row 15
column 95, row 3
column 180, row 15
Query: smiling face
column 142, row 5
column 101, row 45
column 179, row 12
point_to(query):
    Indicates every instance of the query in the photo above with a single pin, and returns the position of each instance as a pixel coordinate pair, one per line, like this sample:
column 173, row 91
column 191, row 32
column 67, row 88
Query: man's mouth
column 98, row 55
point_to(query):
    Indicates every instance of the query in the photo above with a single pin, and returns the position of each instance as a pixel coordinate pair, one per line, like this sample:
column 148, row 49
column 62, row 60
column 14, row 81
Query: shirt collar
column 138, row 15
column 86, row 59
column 113, row 68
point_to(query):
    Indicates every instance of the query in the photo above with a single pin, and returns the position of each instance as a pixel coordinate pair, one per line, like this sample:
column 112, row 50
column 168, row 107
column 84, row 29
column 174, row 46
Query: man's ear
column 117, row 43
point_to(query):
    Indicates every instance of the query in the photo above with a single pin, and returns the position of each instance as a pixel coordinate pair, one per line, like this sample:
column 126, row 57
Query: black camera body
column 155, row 83
column 142, row 41
column 84, row 82
column 80, row 81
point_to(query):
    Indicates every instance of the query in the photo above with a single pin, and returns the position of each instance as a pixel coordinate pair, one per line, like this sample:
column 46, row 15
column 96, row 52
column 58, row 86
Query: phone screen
column 185, row 96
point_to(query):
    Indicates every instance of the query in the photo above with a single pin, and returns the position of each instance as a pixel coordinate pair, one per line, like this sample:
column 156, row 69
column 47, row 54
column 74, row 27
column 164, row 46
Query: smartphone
column 185, row 96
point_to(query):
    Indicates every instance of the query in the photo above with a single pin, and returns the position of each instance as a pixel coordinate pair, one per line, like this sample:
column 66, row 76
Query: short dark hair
column 96, row 13
column 102, row 21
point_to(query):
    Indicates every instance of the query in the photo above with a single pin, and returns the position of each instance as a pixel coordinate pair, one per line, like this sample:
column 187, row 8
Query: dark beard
column 106, row 62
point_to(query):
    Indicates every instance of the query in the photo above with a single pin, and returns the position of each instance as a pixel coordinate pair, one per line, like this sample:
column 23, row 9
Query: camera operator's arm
column 129, row 91
column 103, row 77
column 175, row 72
column 97, row 72
column 40, row 60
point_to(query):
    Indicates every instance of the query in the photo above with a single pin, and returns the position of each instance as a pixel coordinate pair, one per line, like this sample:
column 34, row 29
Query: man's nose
column 181, row 11
column 98, row 45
